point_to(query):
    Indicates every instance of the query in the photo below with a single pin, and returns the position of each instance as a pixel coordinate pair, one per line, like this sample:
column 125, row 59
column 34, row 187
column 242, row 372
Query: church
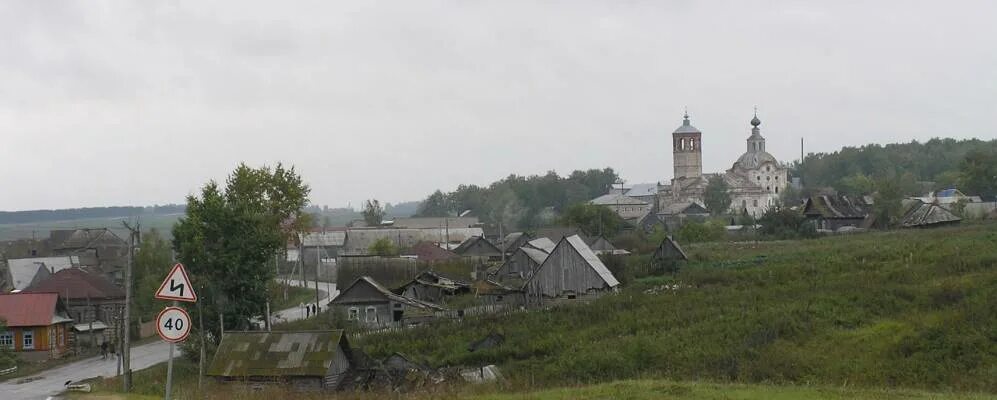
column 755, row 180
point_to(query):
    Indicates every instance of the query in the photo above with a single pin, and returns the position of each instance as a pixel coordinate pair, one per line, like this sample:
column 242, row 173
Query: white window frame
column 28, row 339
column 7, row 339
column 353, row 314
column 371, row 311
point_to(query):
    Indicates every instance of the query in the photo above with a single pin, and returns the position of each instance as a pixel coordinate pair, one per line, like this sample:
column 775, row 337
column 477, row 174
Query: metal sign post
column 173, row 323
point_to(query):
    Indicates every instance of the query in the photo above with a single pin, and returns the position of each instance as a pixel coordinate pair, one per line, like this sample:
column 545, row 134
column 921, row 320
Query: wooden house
column 495, row 293
column 305, row 361
column 513, row 241
column 668, row 254
column 92, row 300
column 479, row 247
column 372, row 305
column 831, row 213
column 520, row 265
column 37, row 327
column 572, row 270
column 918, row 214
column 542, row 243
column 433, row 287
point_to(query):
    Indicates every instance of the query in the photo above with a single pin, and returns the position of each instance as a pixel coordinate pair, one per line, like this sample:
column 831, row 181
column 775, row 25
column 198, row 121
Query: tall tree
column 436, row 205
column 153, row 261
column 717, row 195
column 229, row 236
column 593, row 219
column 373, row 213
column 978, row 173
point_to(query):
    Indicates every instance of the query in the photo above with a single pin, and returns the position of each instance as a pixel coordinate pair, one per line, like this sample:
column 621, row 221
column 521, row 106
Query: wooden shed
column 515, row 240
column 571, row 270
column 521, row 264
column 433, row 287
column 304, row 360
column 479, row 247
column 373, row 305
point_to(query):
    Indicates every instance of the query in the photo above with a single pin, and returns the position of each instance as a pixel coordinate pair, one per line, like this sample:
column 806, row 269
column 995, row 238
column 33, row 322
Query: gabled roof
column 669, row 241
column 473, row 240
column 616, row 198
column 25, row 271
column 538, row 256
column 75, row 283
column 642, row 189
column 85, row 238
column 593, row 261
column 426, row 251
column 388, row 295
column 433, row 278
column 28, row 309
column 272, row 354
column 358, row 241
column 436, row 222
column 515, row 240
column 836, row 207
column 920, row 214
column 543, row 243
column 323, row 239
column 687, row 208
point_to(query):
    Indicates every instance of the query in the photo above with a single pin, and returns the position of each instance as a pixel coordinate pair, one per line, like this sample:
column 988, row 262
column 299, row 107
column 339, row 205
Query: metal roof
column 28, row 309
column 249, row 354
column 840, row 206
column 358, row 241
column 537, row 256
column 75, row 283
column 544, row 244
column 23, row 271
column 920, row 214
column 389, row 295
column 615, row 198
column 754, row 159
column 686, row 126
column 323, row 239
column 583, row 249
column 436, row 222
column 642, row 189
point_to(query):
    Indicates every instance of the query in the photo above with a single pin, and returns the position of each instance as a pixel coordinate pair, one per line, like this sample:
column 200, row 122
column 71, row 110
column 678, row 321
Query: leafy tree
column 436, row 205
column 978, row 173
column 785, row 223
column 887, row 203
column 373, row 213
column 696, row 232
column 229, row 236
column 857, row 185
column 717, row 195
column 153, row 260
column 383, row 247
column 593, row 219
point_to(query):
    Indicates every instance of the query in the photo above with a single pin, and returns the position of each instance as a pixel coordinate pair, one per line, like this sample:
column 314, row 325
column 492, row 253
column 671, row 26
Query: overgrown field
column 911, row 309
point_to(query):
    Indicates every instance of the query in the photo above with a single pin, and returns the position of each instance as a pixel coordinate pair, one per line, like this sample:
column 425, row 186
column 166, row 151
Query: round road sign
column 173, row 324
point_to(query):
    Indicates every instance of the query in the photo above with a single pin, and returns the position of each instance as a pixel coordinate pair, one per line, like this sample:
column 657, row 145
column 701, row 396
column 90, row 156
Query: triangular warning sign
column 177, row 286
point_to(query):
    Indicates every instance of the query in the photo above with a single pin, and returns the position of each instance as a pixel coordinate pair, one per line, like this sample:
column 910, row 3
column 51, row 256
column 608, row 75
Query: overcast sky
column 136, row 103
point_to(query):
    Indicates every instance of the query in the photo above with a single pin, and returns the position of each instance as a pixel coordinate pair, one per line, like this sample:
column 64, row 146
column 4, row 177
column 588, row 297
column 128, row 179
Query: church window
column 777, row 189
column 754, row 203
column 777, row 177
column 768, row 178
column 759, row 177
column 769, row 188
column 768, row 168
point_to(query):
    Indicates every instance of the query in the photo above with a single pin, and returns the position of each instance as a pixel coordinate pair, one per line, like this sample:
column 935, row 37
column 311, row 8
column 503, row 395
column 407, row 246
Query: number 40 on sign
column 173, row 324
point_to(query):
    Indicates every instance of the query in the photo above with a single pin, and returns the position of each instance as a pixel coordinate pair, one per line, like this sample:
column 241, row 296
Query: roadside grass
column 25, row 368
column 296, row 295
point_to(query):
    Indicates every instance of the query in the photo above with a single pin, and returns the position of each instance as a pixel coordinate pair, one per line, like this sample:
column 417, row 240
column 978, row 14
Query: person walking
column 103, row 350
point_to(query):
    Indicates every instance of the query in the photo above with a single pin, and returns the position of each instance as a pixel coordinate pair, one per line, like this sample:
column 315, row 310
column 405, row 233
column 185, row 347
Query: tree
column 857, row 185
column 785, row 223
column 373, row 213
column 229, row 235
column 153, row 260
column 436, row 205
column 887, row 203
column 717, row 196
column 383, row 247
column 978, row 173
column 593, row 219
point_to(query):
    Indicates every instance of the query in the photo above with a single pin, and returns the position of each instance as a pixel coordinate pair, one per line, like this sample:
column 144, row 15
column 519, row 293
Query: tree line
column 23, row 217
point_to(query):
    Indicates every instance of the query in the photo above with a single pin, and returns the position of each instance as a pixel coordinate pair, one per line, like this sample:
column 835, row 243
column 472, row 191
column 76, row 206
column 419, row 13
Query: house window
column 498, row 299
column 6, row 340
column 371, row 314
column 62, row 336
column 29, row 339
column 353, row 314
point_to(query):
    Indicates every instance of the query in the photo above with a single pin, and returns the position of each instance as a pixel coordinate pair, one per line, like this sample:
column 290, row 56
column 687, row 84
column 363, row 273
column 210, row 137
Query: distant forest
column 919, row 167
column 521, row 201
column 33, row 216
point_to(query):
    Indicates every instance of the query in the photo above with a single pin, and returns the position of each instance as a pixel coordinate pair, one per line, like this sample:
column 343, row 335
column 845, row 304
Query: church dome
column 755, row 121
column 754, row 159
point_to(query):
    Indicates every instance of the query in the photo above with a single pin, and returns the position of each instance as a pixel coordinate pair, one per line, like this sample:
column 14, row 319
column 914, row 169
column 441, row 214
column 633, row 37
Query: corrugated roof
column 642, row 189
column 592, row 260
column 23, row 271
column 262, row 354
column 78, row 284
column 920, row 214
column 436, row 222
column 28, row 309
column 387, row 294
column 836, row 207
column 358, row 241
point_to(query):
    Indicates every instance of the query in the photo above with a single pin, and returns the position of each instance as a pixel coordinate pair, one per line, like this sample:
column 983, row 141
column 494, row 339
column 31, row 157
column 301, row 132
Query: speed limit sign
column 173, row 324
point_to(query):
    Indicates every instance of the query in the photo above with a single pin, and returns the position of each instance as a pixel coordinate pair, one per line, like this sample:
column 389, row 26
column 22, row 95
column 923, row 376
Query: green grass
column 295, row 296
column 40, row 230
column 911, row 309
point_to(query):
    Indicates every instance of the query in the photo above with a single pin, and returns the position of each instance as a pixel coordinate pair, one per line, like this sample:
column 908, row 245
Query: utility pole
column 318, row 263
column 126, row 350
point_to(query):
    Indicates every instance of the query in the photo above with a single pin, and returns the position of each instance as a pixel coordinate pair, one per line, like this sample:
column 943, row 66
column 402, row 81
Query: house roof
column 358, row 241
column 669, row 241
column 555, row 234
column 490, row 287
column 687, row 208
column 616, row 198
column 323, row 239
column 76, row 283
column 25, row 271
column 840, row 206
column 426, row 251
column 466, row 245
column 28, row 309
column 436, row 222
column 544, row 244
column 84, row 238
column 920, row 214
column 642, row 189
column 538, row 256
column 248, row 354
column 593, row 261
column 389, row 295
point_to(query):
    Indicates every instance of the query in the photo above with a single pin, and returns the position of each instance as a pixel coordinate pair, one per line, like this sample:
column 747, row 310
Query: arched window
column 768, row 178
column 682, row 144
column 777, row 189
column 768, row 168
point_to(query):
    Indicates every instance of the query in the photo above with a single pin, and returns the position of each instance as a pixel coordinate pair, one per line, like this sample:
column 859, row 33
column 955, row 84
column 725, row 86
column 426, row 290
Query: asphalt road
column 51, row 382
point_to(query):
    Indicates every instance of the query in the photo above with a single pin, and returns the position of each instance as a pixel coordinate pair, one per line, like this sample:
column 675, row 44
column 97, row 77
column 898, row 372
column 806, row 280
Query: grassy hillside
column 911, row 309
column 162, row 223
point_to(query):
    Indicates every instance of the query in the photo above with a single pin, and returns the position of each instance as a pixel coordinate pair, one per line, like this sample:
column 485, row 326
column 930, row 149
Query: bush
column 695, row 232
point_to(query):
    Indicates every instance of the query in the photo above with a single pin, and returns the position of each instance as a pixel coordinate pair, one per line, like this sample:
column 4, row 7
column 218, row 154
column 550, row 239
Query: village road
column 52, row 382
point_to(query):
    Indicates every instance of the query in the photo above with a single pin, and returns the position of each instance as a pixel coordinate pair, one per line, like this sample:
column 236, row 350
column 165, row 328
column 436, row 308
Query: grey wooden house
column 570, row 271
column 668, row 255
column 372, row 305
column 513, row 241
column 520, row 265
column 830, row 213
column 479, row 247
column 433, row 287
column 306, row 360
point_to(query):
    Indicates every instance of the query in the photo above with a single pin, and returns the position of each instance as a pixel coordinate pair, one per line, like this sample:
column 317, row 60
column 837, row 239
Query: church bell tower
column 687, row 150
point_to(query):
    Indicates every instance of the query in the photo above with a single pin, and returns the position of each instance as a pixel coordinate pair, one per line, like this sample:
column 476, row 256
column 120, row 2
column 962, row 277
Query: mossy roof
column 246, row 354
